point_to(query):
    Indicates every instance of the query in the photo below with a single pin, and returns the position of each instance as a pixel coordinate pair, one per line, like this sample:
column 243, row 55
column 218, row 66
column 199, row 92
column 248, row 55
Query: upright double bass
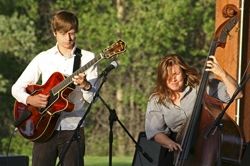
column 225, row 145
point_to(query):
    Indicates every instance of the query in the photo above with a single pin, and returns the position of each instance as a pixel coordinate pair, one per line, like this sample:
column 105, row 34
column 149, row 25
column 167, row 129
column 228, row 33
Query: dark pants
column 45, row 154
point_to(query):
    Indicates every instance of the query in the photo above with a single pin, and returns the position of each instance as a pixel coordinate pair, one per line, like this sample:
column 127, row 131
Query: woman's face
column 175, row 79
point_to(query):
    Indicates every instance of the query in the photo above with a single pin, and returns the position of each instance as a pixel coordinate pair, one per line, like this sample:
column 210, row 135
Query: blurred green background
column 151, row 29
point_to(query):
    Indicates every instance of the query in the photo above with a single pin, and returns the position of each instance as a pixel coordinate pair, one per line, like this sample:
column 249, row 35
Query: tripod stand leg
column 113, row 117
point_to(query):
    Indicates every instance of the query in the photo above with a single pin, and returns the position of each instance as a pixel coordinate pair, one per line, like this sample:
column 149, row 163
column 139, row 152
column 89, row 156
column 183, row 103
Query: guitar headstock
column 114, row 49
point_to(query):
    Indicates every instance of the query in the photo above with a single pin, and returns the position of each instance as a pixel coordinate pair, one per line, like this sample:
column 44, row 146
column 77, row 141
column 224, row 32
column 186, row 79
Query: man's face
column 66, row 39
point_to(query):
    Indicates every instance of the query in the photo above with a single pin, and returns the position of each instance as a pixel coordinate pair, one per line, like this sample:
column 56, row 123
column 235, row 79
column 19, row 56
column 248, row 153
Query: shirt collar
column 186, row 91
column 56, row 51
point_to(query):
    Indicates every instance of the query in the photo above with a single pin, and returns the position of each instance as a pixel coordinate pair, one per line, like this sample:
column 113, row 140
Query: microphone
column 111, row 66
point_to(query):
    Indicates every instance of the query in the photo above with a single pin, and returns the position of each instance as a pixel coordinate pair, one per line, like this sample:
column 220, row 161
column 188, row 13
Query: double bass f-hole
column 204, row 154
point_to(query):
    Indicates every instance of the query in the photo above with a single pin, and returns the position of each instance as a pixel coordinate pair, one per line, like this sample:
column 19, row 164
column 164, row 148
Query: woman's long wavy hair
column 190, row 74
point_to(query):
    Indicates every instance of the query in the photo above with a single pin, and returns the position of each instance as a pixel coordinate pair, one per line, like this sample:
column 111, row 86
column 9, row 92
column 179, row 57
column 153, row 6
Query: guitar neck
column 62, row 85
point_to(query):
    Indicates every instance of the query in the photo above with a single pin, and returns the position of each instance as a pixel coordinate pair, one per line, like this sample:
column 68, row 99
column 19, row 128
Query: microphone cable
column 10, row 140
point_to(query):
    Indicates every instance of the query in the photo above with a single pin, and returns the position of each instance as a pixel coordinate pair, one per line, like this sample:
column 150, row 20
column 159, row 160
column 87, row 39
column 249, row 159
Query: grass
column 104, row 161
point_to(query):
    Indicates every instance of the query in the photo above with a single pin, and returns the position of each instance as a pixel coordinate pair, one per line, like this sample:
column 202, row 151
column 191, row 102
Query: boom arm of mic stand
column 217, row 121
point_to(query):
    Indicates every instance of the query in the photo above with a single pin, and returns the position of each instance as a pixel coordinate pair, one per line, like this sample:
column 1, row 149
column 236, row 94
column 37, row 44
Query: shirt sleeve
column 91, row 76
column 218, row 90
column 154, row 121
column 29, row 76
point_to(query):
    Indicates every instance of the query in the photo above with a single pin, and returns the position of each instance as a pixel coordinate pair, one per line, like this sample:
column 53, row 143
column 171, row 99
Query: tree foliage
column 151, row 29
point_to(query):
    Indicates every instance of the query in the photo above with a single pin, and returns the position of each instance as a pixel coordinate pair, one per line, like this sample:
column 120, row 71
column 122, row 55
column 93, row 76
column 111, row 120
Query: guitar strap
column 77, row 59
column 77, row 62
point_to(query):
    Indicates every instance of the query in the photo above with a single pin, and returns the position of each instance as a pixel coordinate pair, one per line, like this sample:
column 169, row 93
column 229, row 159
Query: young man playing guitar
column 59, row 58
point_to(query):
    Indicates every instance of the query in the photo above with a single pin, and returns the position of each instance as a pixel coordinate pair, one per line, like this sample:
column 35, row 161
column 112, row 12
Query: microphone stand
column 112, row 118
column 217, row 122
column 76, row 135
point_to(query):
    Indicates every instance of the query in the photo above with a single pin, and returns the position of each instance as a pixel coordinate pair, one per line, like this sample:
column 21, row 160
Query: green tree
column 151, row 29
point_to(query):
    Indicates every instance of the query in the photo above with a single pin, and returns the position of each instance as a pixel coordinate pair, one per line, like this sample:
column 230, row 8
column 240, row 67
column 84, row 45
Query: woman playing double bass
column 171, row 103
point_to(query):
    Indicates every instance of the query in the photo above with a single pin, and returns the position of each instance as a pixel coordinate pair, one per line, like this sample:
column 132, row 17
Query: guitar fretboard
column 62, row 85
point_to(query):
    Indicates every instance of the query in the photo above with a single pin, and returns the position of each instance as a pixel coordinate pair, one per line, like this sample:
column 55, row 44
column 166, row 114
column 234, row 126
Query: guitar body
column 40, row 125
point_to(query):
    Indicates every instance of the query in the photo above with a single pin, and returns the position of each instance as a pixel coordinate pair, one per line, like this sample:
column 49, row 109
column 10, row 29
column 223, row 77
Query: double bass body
column 224, row 146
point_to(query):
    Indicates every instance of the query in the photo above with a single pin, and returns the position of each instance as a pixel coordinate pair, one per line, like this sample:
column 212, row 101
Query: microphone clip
column 111, row 66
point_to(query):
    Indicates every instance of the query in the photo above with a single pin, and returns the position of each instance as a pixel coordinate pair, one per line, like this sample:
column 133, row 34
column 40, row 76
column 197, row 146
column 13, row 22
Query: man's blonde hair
column 63, row 21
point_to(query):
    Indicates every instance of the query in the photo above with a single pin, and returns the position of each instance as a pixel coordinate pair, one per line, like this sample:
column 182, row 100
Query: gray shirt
column 163, row 118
